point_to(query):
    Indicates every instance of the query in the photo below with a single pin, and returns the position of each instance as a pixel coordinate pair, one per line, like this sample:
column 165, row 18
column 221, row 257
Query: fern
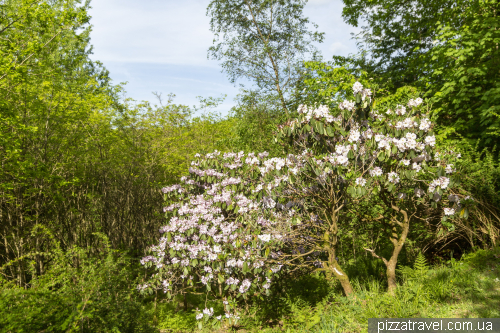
column 419, row 270
column 420, row 267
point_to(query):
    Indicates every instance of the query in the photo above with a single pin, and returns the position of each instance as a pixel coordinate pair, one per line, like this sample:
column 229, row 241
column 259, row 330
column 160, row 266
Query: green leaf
column 321, row 129
column 381, row 156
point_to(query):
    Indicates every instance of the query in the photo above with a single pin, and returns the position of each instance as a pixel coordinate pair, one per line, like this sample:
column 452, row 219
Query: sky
column 161, row 46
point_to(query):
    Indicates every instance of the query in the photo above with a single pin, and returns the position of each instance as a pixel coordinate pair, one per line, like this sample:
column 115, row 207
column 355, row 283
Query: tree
column 47, row 85
column 466, row 61
column 255, row 119
column 383, row 157
column 74, row 157
column 398, row 34
column 263, row 41
column 447, row 49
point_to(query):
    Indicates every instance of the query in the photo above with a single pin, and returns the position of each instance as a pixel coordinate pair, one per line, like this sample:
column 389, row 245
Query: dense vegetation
column 82, row 171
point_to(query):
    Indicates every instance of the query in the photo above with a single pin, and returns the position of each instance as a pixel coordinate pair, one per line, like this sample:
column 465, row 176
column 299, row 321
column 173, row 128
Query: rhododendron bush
column 239, row 222
column 385, row 157
column 219, row 236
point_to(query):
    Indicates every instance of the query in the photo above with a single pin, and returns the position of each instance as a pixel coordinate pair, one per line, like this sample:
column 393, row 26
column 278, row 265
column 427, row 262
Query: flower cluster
column 358, row 88
column 317, row 113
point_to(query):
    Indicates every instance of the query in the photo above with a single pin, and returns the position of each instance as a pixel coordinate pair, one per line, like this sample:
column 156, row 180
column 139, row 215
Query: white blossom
column 443, row 182
column 264, row 237
column 245, row 284
column 430, row 140
column 366, row 93
column 357, row 88
column 209, row 312
column 354, row 135
column 400, row 110
column 425, row 124
column 360, row 181
column 347, row 105
column 449, row 211
column 376, row 171
column 393, row 177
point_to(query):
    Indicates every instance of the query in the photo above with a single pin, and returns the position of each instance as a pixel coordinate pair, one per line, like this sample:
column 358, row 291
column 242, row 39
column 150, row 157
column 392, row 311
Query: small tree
column 262, row 40
column 388, row 157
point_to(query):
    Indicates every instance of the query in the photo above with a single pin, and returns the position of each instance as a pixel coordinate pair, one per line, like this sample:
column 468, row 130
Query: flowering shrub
column 387, row 156
column 238, row 222
column 218, row 237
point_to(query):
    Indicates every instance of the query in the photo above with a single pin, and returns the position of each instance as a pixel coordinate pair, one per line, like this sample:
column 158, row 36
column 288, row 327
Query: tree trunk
column 335, row 269
column 391, row 272
column 398, row 245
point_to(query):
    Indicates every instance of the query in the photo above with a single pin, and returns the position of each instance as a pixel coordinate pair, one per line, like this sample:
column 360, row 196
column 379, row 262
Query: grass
column 467, row 288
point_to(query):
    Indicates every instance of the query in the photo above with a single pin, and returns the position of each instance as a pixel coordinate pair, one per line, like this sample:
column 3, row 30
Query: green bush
column 78, row 293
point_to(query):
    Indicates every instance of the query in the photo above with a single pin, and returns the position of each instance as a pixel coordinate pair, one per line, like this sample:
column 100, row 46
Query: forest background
column 82, row 169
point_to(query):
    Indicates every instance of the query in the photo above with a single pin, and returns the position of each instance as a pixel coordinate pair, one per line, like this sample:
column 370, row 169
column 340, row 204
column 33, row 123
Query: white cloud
column 328, row 16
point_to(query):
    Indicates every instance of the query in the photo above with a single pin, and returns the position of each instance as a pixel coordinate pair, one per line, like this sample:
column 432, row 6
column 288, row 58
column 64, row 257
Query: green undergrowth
column 83, row 294
column 465, row 288
column 79, row 293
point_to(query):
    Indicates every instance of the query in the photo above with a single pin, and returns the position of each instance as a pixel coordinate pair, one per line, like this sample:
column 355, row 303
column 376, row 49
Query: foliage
column 480, row 178
column 30, row 32
column 465, row 60
column 419, row 271
column 466, row 288
column 45, row 98
column 78, row 293
column 448, row 49
column 232, row 221
column 328, row 84
column 263, row 41
column 252, row 238
column 75, row 158
column 359, row 154
column 256, row 116
column 398, row 34
column 215, row 236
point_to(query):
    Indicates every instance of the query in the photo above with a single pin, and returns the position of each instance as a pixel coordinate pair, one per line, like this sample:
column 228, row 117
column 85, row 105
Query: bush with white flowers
column 218, row 238
column 386, row 155
column 240, row 221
